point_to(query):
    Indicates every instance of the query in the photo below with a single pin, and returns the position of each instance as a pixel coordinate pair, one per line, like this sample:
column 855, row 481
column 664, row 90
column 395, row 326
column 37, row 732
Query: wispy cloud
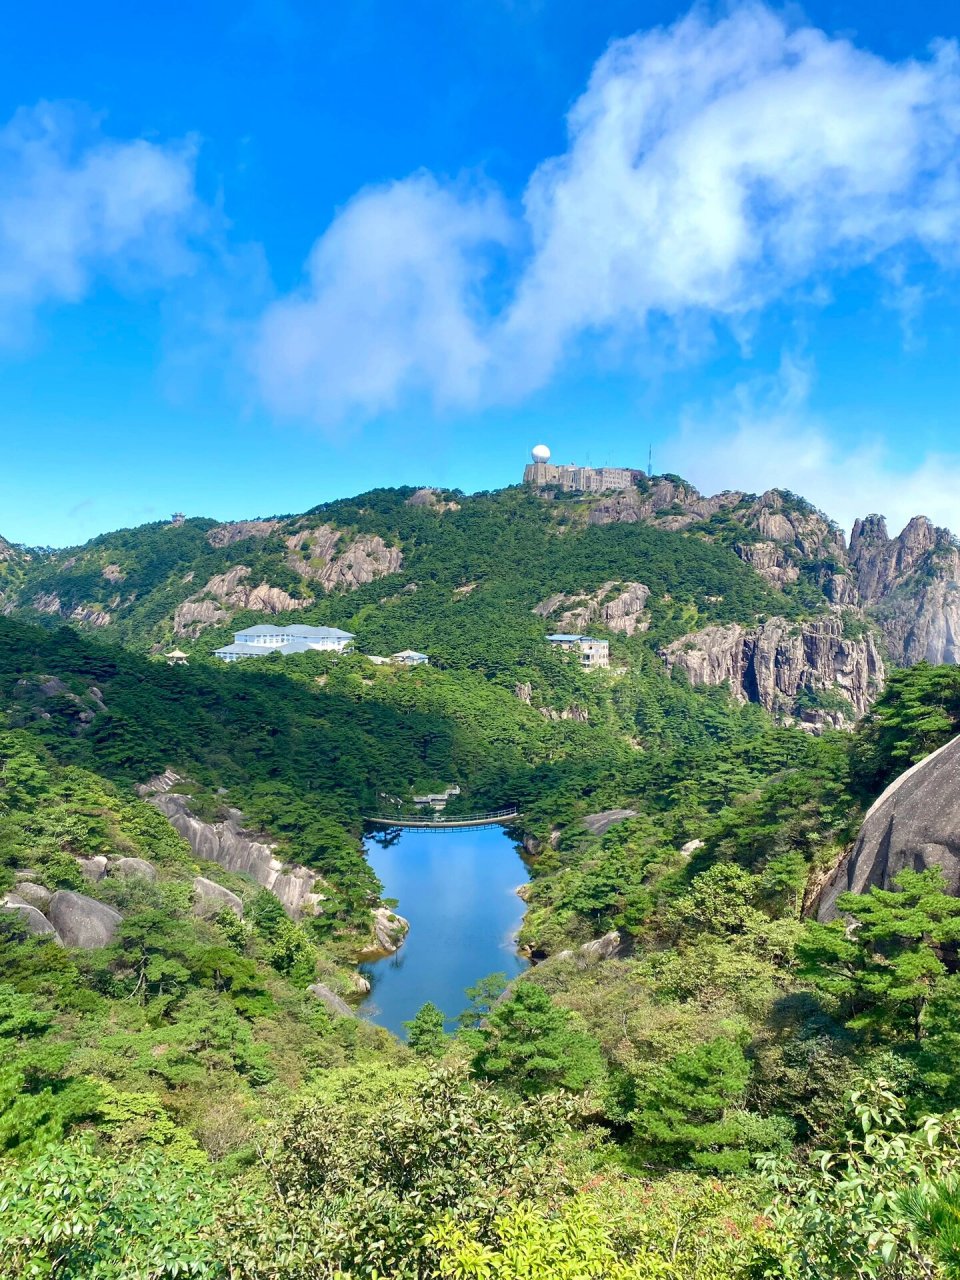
column 76, row 205
column 712, row 167
column 765, row 435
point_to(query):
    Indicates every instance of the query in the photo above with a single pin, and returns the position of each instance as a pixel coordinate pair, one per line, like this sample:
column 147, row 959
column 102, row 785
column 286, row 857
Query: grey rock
column 29, row 918
column 213, row 897
column 692, row 846
column 235, row 848
column 93, row 869
column 81, row 921
column 35, row 894
column 389, row 929
column 624, row 612
column 608, row 947
column 335, row 1003
column 914, row 824
column 133, row 869
column 599, row 823
column 911, row 585
column 771, row 664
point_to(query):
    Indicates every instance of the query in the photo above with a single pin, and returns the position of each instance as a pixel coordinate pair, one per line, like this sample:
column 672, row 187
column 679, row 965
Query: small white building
column 256, row 642
column 592, row 653
column 410, row 658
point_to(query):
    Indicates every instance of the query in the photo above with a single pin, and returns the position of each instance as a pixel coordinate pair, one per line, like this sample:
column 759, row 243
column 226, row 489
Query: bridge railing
column 436, row 820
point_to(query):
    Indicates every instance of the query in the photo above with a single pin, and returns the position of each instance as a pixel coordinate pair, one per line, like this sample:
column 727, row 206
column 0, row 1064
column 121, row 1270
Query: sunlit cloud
column 712, row 168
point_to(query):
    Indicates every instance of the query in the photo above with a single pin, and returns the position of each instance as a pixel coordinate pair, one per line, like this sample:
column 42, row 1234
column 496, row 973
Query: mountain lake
column 458, row 889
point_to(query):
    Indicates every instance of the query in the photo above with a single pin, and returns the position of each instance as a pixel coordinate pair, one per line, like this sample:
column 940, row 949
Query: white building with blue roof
column 590, row 651
column 256, row 642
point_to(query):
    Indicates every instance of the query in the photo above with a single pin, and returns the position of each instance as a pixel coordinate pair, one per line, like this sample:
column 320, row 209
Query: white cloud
column 712, row 167
column 765, row 436
column 391, row 304
column 75, row 205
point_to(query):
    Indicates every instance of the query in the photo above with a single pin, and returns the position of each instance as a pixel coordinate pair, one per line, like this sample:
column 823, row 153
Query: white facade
column 255, row 642
column 591, row 653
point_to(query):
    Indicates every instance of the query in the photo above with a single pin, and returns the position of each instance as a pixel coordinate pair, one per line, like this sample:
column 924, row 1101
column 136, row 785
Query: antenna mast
column 650, row 461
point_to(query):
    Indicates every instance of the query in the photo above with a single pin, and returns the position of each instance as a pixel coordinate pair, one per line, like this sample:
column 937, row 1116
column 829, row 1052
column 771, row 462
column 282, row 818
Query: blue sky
column 253, row 257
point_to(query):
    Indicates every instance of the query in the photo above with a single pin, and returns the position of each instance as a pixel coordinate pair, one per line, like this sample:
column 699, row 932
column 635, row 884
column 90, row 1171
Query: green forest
column 739, row 1092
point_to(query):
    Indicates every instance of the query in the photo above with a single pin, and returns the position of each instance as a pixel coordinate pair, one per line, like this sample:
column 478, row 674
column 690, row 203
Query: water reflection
column 458, row 890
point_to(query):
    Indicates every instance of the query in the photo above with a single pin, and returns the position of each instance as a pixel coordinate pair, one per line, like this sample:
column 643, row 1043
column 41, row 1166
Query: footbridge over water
column 437, row 822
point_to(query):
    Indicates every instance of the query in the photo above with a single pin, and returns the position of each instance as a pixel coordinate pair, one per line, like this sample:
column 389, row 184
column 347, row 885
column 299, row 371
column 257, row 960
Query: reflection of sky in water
column 458, row 890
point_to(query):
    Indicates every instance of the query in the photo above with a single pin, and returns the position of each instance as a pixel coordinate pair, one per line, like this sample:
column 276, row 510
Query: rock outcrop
column 914, row 824
column 132, row 869
column 226, row 593
column 773, row 663
column 225, row 535
column 669, row 503
column 314, row 555
column 336, row 1004
column 29, row 918
column 389, row 929
column 212, row 897
column 769, row 560
column 231, row 844
column 619, row 606
column 600, row 823
column 911, row 586
column 81, row 921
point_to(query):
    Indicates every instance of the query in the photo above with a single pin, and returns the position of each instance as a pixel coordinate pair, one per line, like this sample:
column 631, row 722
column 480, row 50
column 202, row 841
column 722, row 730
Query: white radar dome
column 541, row 453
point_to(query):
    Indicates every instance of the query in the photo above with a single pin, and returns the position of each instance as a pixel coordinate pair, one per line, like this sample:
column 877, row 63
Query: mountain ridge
column 187, row 582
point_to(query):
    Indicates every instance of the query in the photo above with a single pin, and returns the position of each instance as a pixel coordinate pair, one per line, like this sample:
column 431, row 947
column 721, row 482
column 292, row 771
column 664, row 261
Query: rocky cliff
column 914, row 824
column 911, row 586
column 321, row 555
column 789, row 668
column 619, row 606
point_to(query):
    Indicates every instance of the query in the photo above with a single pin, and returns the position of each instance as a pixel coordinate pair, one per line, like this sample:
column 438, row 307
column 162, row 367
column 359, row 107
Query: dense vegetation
column 740, row 1093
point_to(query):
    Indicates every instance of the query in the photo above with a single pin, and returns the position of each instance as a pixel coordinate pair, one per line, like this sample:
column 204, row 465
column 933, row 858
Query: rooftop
column 561, row 638
column 298, row 631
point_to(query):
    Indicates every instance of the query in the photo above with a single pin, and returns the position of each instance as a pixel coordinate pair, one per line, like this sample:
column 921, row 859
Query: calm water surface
column 458, row 890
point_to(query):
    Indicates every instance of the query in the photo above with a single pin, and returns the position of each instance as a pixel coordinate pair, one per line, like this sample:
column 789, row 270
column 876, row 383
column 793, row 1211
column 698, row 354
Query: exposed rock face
column 30, row 918
column 769, row 560
column 624, row 612
column 336, row 1004
column 93, row 615
column 911, row 585
column 914, row 824
column 234, row 847
column 389, row 929
column 225, row 594
column 363, row 560
column 212, row 897
column 113, row 573
column 93, row 869
column 772, row 663
column 806, row 530
column 35, row 894
column 599, row 823
column 81, row 921
column 880, row 562
column 133, row 869
column 608, row 947
column 431, row 498
column 671, row 504
column 224, row 535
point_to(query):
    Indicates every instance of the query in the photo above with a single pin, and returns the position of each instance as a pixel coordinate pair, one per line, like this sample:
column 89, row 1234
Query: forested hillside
column 718, row 1087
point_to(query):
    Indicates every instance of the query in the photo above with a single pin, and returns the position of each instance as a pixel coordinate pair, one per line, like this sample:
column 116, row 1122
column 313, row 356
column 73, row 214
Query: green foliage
column 846, row 1214
column 425, row 1032
column 530, row 1046
column 689, row 1111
